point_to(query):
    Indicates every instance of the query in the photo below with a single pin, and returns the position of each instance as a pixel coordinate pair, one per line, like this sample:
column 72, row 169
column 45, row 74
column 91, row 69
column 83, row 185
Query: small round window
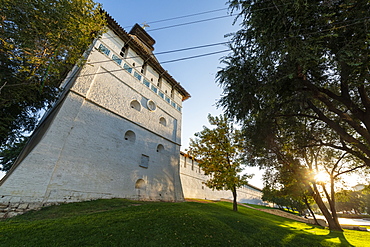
column 151, row 105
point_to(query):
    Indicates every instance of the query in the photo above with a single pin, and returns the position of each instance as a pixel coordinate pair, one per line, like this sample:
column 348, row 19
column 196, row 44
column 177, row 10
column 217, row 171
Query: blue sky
column 197, row 75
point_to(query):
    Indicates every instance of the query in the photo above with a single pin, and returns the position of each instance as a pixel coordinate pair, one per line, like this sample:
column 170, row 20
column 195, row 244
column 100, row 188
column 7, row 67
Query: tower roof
column 143, row 36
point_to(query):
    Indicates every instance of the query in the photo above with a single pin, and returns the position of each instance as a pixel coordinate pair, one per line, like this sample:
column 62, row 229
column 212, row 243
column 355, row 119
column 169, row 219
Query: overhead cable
column 184, row 16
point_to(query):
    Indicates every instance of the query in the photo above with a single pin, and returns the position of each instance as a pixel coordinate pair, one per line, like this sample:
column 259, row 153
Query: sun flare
column 322, row 177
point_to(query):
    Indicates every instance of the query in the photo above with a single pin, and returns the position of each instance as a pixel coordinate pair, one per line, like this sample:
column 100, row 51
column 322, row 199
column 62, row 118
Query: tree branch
column 3, row 86
column 339, row 130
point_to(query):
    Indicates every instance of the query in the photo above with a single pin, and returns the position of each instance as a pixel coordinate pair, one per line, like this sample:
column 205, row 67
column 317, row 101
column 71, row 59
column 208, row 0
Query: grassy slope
column 121, row 222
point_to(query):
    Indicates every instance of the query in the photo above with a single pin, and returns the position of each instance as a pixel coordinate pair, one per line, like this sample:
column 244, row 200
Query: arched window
column 135, row 105
column 160, row 148
column 140, row 184
column 130, row 136
column 163, row 121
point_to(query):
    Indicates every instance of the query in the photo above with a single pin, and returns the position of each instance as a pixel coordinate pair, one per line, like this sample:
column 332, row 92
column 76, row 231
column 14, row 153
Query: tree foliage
column 298, row 81
column 219, row 152
column 350, row 201
column 283, row 199
column 40, row 41
column 295, row 59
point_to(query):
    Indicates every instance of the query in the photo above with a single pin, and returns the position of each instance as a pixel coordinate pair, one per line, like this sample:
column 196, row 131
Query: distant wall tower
column 116, row 131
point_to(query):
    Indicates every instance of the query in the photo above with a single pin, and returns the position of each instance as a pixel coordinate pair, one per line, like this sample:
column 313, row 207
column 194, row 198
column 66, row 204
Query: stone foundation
column 14, row 209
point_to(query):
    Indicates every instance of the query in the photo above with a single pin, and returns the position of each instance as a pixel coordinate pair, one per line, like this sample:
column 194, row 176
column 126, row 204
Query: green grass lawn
column 119, row 222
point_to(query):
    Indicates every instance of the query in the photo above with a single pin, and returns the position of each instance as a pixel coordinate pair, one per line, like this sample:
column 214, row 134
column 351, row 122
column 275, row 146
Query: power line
column 191, row 48
column 211, row 19
column 202, row 55
column 184, row 16
column 192, row 22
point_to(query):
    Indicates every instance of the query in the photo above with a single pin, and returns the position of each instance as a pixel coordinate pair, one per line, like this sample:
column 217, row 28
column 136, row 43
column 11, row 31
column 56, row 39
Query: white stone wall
column 85, row 153
column 102, row 145
column 192, row 178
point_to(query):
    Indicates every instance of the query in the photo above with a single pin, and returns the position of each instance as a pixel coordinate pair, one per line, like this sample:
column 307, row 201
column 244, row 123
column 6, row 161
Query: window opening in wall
column 143, row 69
column 135, row 105
column 116, row 59
column 137, row 76
column 144, row 161
column 168, row 100
column 146, row 82
column 154, row 89
column 163, row 121
column 133, row 64
column 151, row 105
column 172, row 92
column 161, row 94
column 140, row 184
column 104, row 49
column 130, row 136
column 159, row 84
column 192, row 164
column 184, row 161
column 160, row 148
column 127, row 68
column 123, row 51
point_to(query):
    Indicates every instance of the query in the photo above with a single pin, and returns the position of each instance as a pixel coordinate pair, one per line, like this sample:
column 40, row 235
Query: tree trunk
column 235, row 203
column 333, row 225
column 310, row 209
column 332, row 201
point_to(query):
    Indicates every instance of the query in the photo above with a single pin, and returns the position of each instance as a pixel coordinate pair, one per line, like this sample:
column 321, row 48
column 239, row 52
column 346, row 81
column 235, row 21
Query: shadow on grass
column 340, row 236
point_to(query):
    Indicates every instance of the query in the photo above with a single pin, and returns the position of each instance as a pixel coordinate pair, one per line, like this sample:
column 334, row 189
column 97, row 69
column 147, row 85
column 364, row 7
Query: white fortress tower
column 115, row 132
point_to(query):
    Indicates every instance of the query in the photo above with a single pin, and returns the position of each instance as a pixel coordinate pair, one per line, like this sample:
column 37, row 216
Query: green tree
column 366, row 198
column 10, row 152
column 295, row 59
column 297, row 165
column 219, row 152
column 40, row 41
column 300, row 64
column 350, row 201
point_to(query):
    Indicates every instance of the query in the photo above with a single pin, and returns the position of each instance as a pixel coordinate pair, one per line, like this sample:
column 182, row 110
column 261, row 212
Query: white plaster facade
column 117, row 131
